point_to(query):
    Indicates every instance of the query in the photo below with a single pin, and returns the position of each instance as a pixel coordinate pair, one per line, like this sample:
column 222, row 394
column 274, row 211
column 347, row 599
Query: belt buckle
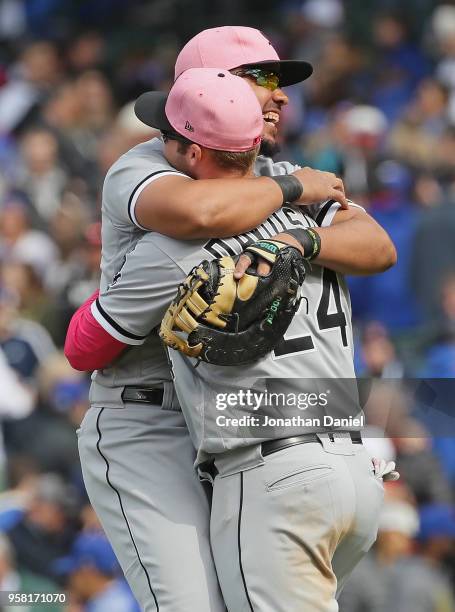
column 141, row 396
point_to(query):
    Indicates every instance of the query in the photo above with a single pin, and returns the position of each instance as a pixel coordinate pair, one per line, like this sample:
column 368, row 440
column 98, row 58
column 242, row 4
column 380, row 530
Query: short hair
column 240, row 161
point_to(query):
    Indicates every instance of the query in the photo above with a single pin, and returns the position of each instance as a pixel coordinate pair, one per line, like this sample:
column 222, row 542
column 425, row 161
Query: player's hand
column 319, row 186
column 263, row 268
column 385, row 470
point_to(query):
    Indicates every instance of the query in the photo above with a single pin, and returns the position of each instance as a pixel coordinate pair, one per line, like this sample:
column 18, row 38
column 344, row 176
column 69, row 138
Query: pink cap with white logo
column 230, row 47
column 208, row 106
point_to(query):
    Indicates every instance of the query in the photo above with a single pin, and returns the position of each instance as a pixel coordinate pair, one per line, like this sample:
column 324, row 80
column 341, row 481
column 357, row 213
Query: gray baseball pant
column 286, row 534
column 137, row 464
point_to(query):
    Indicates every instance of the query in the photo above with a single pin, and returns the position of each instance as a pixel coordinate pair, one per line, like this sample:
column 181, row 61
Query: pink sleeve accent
column 88, row 346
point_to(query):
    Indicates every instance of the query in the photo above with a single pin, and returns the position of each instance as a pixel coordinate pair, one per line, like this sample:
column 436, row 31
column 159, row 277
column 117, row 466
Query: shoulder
column 129, row 176
column 265, row 166
column 149, row 153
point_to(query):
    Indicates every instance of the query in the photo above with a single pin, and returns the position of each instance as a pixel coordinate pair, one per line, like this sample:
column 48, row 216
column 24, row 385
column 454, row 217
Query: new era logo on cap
column 215, row 109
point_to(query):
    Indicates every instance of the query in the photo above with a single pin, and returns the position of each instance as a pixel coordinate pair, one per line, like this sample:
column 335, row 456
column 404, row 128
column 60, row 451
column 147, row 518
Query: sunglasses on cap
column 264, row 78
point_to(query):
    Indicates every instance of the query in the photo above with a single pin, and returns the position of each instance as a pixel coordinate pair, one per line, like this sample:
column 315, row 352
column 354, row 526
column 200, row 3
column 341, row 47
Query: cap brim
column 150, row 109
column 290, row 71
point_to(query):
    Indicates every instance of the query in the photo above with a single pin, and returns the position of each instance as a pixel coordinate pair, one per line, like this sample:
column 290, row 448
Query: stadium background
column 379, row 110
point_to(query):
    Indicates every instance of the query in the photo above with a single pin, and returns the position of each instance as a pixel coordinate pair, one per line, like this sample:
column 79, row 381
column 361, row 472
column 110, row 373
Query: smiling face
column 271, row 103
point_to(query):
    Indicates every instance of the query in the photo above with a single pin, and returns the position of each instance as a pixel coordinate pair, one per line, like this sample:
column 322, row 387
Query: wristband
column 290, row 186
column 309, row 239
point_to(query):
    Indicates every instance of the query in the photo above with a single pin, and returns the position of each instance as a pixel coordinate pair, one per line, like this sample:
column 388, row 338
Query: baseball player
column 135, row 451
column 135, row 303
column 290, row 552
column 135, row 423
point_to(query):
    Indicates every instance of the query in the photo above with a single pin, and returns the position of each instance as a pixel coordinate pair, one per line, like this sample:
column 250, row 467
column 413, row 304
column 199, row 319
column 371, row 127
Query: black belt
column 273, row 446
column 143, row 395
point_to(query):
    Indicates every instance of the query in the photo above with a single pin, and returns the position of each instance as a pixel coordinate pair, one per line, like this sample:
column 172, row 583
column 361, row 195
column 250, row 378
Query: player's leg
column 274, row 530
column 368, row 496
column 138, row 470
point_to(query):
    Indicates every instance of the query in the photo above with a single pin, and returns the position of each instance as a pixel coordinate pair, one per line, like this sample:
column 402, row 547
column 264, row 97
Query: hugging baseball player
column 135, row 450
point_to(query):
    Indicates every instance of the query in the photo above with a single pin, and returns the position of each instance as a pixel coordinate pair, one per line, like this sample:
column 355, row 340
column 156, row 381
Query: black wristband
column 290, row 186
column 309, row 239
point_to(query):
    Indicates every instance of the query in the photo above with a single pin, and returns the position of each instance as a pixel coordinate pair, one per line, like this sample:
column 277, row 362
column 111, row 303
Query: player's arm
column 351, row 242
column 180, row 207
column 354, row 243
column 124, row 314
column 88, row 346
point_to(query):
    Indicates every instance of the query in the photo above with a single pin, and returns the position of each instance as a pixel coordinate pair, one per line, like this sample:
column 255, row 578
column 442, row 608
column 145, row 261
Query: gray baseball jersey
column 146, row 363
column 137, row 459
column 318, row 345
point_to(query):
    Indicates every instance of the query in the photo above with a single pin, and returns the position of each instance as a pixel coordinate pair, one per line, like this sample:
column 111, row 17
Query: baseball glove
column 223, row 321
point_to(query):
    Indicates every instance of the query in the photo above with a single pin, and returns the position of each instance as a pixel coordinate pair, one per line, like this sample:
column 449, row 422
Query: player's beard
column 269, row 148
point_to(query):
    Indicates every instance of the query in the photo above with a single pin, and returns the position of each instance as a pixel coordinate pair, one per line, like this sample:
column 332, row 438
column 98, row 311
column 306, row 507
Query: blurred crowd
column 379, row 111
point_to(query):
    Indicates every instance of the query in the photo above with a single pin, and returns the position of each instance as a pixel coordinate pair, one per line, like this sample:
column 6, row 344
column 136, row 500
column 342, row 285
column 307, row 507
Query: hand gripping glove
column 223, row 321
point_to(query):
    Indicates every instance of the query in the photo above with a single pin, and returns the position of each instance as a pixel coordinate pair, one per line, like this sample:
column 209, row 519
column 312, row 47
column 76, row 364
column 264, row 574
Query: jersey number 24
column 326, row 320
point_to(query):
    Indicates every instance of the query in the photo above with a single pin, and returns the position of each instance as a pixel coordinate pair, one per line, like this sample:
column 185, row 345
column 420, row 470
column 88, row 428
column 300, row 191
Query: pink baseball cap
column 231, row 47
column 208, row 106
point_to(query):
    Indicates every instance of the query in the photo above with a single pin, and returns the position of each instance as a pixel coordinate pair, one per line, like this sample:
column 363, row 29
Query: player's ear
column 193, row 154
